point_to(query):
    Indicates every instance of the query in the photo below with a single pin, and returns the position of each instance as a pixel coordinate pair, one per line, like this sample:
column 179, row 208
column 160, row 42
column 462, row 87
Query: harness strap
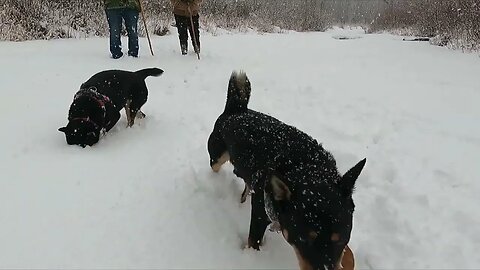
column 99, row 98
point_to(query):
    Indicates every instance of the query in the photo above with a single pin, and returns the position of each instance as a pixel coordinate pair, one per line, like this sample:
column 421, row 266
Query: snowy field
column 145, row 197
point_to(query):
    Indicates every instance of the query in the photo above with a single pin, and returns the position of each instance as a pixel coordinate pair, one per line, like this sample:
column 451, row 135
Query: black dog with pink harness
column 96, row 106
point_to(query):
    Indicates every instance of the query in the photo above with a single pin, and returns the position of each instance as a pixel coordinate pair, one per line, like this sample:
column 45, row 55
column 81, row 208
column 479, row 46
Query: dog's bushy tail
column 144, row 73
column 238, row 93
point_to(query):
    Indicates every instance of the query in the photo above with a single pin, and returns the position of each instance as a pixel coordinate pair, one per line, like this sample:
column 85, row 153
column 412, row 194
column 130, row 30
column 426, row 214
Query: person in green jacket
column 126, row 10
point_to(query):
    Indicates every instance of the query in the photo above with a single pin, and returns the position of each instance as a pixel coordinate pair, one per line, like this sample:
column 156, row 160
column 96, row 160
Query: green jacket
column 110, row 4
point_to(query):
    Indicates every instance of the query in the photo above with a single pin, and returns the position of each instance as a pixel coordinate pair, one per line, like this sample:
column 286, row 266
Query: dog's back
column 257, row 141
column 120, row 84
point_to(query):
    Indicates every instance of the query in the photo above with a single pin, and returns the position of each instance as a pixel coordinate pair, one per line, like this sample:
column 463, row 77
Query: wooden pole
column 145, row 25
column 194, row 37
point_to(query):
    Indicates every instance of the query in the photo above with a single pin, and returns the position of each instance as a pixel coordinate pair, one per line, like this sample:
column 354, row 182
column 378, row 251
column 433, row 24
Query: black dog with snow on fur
column 295, row 181
column 96, row 106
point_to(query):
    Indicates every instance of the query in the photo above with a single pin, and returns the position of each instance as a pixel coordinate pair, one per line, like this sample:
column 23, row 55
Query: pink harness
column 101, row 100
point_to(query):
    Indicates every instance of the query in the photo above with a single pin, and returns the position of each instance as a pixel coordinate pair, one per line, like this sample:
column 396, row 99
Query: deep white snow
column 145, row 197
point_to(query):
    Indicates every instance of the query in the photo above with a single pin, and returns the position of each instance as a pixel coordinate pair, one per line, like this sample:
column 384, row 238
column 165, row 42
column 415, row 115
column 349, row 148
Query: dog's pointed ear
column 347, row 183
column 280, row 190
column 63, row 129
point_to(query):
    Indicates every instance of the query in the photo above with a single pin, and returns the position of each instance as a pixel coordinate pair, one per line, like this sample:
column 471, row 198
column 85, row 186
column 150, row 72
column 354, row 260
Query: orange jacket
column 183, row 8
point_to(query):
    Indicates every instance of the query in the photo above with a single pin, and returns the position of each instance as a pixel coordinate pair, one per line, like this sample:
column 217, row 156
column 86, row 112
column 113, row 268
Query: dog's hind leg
column 128, row 111
column 258, row 220
column 135, row 105
column 139, row 94
column 134, row 112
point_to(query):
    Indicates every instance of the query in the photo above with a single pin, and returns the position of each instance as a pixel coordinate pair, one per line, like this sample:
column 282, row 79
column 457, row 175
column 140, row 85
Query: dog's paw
column 254, row 244
column 140, row 115
column 248, row 247
column 275, row 227
column 216, row 167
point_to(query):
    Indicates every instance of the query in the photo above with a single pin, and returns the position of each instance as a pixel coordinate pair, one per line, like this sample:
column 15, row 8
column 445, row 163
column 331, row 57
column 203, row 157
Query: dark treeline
column 452, row 22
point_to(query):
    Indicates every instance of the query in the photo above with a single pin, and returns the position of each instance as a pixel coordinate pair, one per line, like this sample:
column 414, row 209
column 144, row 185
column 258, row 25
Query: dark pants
column 115, row 17
column 183, row 22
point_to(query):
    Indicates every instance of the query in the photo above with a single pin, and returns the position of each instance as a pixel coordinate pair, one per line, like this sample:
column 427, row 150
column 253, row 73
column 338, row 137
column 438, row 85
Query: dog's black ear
column 347, row 183
column 280, row 190
column 63, row 129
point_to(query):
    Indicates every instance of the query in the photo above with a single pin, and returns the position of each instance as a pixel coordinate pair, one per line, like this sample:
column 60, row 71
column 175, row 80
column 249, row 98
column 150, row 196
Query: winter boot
column 196, row 47
column 184, row 48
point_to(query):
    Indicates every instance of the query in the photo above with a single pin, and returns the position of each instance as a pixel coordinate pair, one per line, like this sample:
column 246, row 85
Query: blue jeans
column 114, row 17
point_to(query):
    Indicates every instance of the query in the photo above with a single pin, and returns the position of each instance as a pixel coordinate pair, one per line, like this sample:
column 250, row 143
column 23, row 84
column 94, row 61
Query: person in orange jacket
column 183, row 10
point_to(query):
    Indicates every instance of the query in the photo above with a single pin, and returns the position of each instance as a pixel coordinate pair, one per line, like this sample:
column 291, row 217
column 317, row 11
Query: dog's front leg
column 247, row 180
column 245, row 193
column 112, row 118
column 258, row 220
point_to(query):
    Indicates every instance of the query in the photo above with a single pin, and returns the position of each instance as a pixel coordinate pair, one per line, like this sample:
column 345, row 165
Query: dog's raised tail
column 238, row 93
column 144, row 73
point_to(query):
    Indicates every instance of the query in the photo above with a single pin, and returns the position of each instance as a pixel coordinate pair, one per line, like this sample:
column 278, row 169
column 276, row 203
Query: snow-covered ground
column 145, row 197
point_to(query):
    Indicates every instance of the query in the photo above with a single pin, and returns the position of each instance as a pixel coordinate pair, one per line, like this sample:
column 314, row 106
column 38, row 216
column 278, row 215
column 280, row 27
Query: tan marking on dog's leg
column 245, row 193
column 304, row 264
column 339, row 265
column 285, row 234
column 127, row 112
column 335, row 237
column 312, row 235
column 224, row 158
column 346, row 261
